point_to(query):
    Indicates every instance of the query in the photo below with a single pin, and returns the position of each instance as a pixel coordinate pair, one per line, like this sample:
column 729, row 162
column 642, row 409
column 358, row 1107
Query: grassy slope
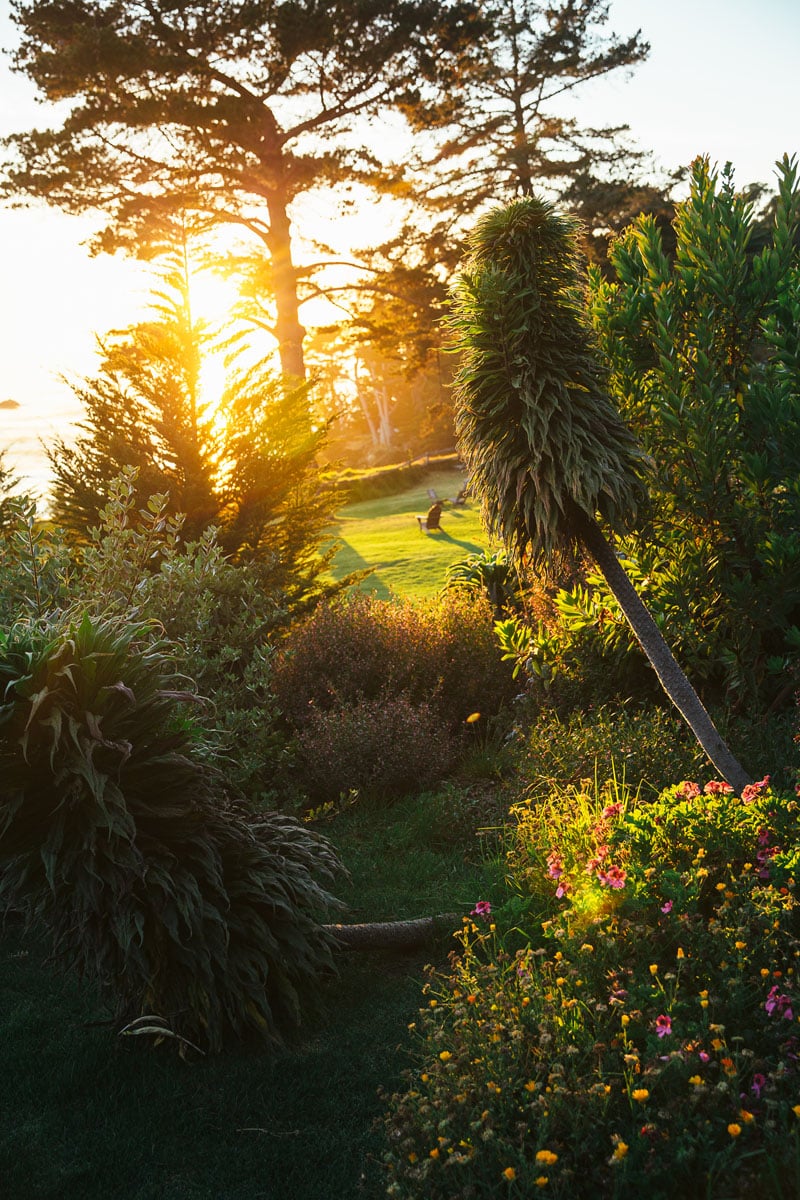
column 383, row 533
column 84, row 1116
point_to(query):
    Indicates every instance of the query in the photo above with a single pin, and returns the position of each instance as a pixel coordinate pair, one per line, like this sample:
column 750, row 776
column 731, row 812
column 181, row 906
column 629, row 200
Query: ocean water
column 25, row 431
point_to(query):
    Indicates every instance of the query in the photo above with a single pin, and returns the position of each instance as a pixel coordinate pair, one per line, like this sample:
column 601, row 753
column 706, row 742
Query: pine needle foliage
column 542, row 441
column 119, row 841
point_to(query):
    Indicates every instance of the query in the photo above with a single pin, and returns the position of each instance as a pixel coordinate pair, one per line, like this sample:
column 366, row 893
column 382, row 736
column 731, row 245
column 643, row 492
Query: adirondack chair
column 432, row 519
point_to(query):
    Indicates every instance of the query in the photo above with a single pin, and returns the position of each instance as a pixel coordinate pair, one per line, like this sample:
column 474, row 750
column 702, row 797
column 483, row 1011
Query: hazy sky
column 722, row 79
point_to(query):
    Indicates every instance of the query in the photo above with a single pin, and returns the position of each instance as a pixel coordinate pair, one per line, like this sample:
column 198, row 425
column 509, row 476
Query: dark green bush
column 119, row 840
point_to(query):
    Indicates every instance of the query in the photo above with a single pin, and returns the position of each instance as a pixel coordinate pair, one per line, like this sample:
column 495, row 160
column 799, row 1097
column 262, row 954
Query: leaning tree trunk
column 670, row 675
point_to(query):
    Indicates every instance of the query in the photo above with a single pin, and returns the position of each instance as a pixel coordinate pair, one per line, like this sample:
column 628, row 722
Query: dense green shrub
column 628, row 1023
column 442, row 652
column 220, row 617
column 382, row 747
column 645, row 746
column 704, row 355
column 118, row 838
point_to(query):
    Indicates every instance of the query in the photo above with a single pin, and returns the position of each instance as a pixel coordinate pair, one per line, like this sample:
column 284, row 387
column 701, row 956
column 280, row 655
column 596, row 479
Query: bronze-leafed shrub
column 120, row 842
column 383, row 747
column 442, row 652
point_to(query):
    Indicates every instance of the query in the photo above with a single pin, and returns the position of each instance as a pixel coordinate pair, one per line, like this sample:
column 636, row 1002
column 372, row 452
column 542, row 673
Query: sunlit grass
column 383, row 534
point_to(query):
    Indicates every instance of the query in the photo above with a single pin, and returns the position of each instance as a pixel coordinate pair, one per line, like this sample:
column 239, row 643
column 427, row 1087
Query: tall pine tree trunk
column 662, row 660
column 288, row 330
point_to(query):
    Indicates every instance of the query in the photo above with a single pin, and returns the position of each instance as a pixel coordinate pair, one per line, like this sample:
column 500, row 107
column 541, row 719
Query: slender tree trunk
column 670, row 675
column 289, row 331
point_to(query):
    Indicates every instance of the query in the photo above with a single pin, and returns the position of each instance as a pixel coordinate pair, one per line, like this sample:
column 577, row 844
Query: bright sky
column 722, row 79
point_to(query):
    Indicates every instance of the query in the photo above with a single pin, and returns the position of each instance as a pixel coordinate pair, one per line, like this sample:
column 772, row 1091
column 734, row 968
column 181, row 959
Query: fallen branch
column 393, row 935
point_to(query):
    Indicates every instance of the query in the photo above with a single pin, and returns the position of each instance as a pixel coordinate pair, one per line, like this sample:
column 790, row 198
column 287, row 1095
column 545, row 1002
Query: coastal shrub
column 119, row 841
column 442, row 652
column 383, row 747
column 647, row 746
column 628, row 1021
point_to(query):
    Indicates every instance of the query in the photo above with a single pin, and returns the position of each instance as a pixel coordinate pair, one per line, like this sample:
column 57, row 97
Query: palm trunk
column 670, row 675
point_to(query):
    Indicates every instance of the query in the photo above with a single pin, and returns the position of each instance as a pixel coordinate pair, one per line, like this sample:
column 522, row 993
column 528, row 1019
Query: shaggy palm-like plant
column 123, row 845
column 546, row 448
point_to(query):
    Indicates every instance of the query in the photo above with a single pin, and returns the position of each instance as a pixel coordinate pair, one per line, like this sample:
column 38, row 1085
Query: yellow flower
column 796, row 1110
column 680, row 953
column 434, row 1153
column 717, row 1043
column 640, row 1095
column 625, row 1019
column 509, row 1174
column 734, row 1130
column 620, row 1150
column 472, row 718
column 541, row 1181
column 546, row 1157
column 653, row 968
column 445, row 1056
column 530, row 1086
column 746, row 1116
column 764, row 972
column 740, row 945
column 696, row 1080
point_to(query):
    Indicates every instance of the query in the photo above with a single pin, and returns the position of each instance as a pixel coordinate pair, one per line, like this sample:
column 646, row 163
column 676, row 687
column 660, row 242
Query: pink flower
column 663, row 1025
column 687, row 790
column 555, row 865
column 717, row 787
column 482, row 909
column 612, row 877
column 752, row 790
column 666, row 907
column 759, row 1081
column 779, row 1004
column 563, row 888
column 704, row 1056
column 611, row 810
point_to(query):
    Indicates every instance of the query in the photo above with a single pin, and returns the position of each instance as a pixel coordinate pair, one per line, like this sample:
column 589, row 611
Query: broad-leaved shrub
column 118, row 839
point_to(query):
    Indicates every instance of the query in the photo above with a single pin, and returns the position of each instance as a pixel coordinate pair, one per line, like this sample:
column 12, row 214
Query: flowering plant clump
column 643, row 1035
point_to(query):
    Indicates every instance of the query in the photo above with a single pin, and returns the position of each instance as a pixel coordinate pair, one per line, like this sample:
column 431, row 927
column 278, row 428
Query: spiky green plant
column 546, row 448
column 123, row 845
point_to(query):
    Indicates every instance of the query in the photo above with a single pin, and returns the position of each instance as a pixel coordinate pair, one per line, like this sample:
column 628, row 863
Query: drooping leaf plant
column 122, row 844
column 547, row 450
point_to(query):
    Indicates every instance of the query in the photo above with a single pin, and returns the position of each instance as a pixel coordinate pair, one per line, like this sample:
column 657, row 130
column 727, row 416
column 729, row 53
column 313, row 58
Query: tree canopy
column 222, row 111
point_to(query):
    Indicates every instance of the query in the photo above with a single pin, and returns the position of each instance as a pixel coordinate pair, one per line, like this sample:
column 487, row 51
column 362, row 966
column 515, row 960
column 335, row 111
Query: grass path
column 383, row 534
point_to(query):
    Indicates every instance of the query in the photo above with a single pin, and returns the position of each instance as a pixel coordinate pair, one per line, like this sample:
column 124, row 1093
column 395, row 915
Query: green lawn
column 383, row 534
